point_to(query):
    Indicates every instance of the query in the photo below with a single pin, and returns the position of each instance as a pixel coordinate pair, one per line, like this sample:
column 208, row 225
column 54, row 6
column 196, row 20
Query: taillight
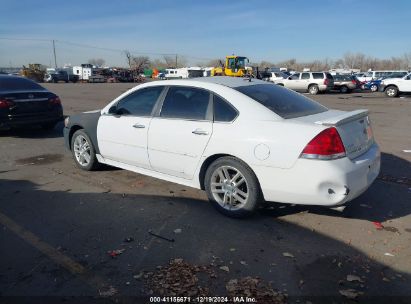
column 6, row 104
column 326, row 81
column 353, row 81
column 325, row 146
column 55, row 100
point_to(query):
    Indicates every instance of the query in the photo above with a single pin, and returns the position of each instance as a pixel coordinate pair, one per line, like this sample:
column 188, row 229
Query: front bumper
column 316, row 182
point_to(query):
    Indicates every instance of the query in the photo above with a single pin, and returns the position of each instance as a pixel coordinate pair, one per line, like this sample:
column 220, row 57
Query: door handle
column 139, row 126
column 200, row 132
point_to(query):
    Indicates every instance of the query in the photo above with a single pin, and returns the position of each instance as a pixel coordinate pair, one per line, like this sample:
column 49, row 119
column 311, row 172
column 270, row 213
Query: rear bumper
column 325, row 183
column 30, row 119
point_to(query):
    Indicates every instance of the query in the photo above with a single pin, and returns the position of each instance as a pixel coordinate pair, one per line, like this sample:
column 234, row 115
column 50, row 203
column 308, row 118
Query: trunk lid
column 28, row 101
column 355, row 130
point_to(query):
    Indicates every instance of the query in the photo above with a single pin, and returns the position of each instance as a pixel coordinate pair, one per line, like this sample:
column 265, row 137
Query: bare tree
column 140, row 63
column 98, row 62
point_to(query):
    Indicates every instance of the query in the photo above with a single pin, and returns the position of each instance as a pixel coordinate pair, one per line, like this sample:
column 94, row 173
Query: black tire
column 391, row 91
column 313, row 89
column 344, row 90
column 48, row 125
column 249, row 186
column 280, row 84
column 93, row 164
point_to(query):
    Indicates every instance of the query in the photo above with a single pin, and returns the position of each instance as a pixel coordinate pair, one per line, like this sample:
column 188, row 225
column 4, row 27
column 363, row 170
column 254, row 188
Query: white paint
column 268, row 144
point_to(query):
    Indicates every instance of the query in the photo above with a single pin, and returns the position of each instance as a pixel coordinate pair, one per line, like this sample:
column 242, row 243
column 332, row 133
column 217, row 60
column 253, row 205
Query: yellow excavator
column 35, row 72
column 234, row 66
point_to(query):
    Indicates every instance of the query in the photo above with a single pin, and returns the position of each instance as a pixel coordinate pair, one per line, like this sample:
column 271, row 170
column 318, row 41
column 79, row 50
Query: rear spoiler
column 343, row 118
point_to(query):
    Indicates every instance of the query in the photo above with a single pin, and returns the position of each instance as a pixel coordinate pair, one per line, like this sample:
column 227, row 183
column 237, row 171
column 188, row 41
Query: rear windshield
column 18, row 84
column 284, row 102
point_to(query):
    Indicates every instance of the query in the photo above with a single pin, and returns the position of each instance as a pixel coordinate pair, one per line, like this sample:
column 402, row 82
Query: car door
column 303, row 83
column 180, row 132
column 292, row 81
column 122, row 133
column 404, row 85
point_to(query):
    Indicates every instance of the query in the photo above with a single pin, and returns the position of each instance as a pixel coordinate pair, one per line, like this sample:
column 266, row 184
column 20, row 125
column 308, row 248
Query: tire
column 48, row 126
column 391, row 91
column 79, row 150
column 344, row 89
column 313, row 89
column 374, row 88
column 280, row 84
column 224, row 179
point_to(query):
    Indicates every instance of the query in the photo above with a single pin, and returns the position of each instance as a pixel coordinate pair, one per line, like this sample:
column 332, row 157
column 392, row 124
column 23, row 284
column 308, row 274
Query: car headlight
column 66, row 121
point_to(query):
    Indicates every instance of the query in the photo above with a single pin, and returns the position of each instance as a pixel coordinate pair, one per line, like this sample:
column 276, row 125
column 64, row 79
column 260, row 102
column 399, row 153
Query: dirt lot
column 60, row 225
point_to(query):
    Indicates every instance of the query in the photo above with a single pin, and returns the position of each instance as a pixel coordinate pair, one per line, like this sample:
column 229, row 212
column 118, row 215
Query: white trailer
column 83, row 73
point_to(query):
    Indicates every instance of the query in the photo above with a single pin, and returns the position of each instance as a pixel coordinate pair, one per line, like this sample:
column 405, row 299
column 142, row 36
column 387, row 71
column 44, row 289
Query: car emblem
column 31, row 96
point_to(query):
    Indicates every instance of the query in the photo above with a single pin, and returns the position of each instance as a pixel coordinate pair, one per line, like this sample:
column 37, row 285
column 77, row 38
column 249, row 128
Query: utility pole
column 176, row 60
column 54, row 52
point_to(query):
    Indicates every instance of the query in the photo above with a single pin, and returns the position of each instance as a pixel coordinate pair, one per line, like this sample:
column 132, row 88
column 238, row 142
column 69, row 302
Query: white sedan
column 242, row 141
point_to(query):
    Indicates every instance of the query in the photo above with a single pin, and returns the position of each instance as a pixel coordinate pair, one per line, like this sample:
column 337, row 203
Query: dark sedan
column 25, row 103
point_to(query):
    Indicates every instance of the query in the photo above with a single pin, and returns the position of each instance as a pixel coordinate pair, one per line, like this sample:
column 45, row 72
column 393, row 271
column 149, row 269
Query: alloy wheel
column 229, row 188
column 82, row 151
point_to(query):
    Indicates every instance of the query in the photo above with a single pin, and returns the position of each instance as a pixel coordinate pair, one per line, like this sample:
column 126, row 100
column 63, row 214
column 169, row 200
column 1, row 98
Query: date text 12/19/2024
column 238, row 299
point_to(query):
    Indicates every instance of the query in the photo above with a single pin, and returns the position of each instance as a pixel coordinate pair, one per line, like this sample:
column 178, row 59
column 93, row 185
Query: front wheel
column 313, row 89
column 232, row 187
column 83, row 151
column 374, row 88
column 391, row 91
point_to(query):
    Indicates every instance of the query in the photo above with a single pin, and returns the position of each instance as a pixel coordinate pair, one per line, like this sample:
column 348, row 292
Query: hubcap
column 81, row 149
column 390, row 92
column 229, row 188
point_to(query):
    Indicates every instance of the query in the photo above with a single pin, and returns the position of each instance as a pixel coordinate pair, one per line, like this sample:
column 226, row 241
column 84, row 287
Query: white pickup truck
column 395, row 86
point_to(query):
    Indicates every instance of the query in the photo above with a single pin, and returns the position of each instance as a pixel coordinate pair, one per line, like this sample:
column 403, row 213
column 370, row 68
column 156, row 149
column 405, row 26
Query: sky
column 200, row 30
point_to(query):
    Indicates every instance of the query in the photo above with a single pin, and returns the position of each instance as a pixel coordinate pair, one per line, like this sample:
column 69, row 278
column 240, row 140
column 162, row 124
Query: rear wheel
column 344, row 89
column 374, row 88
column 391, row 91
column 313, row 89
column 83, row 151
column 232, row 187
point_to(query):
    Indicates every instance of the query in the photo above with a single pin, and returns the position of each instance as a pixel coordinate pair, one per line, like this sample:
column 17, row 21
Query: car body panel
column 30, row 106
column 269, row 144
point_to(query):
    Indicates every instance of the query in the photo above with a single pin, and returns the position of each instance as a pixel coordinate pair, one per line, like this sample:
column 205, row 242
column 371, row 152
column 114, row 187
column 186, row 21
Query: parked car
column 311, row 82
column 396, row 86
column 344, row 83
column 277, row 76
column 240, row 141
column 61, row 76
column 374, row 85
column 24, row 102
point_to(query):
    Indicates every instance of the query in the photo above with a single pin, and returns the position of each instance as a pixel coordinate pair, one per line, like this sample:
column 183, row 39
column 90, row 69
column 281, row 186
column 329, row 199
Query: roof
column 231, row 82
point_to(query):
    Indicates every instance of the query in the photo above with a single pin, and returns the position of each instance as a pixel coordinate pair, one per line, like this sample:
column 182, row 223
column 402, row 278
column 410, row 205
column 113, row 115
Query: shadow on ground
column 85, row 226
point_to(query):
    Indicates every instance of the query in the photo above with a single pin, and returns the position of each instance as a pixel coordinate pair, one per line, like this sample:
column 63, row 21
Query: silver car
column 311, row 82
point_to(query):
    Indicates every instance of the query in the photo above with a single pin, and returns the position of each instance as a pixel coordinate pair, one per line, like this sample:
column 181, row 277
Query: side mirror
column 113, row 110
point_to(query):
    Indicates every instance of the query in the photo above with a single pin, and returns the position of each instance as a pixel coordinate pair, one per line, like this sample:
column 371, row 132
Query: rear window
column 18, row 84
column 318, row 75
column 284, row 102
column 329, row 76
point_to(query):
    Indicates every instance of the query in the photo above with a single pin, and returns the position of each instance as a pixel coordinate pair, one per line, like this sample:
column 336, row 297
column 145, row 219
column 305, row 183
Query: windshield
column 241, row 62
column 283, row 102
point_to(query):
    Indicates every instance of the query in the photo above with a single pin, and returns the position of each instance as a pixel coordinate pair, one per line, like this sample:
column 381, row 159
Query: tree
column 137, row 63
column 98, row 62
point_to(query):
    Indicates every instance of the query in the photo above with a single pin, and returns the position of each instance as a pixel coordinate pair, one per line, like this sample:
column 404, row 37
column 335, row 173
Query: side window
column 305, row 76
column 318, row 75
column 186, row 103
column 295, row 76
column 223, row 112
column 139, row 103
